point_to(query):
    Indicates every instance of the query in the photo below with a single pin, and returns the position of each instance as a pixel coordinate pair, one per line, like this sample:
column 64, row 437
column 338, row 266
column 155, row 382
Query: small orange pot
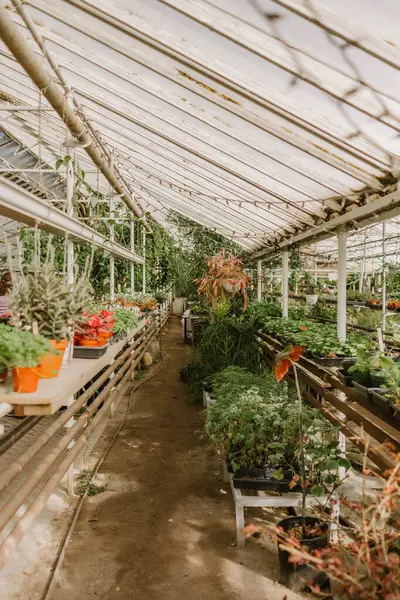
column 106, row 336
column 50, row 364
column 92, row 343
column 25, row 379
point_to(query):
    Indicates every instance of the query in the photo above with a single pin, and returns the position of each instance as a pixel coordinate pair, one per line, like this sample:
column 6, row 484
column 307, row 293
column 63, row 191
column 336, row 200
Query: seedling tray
column 346, row 380
column 327, row 362
column 89, row 352
column 378, row 397
column 261, row 479
column 362, row 390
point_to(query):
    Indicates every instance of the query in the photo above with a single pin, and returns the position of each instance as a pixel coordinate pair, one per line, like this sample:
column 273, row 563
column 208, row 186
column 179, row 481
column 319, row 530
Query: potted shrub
column 42, row 301
column 225, row 275
column 23, row 351
column 95, row 329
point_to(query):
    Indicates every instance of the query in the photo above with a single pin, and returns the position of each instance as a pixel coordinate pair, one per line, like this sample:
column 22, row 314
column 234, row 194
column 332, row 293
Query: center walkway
column 164, row 527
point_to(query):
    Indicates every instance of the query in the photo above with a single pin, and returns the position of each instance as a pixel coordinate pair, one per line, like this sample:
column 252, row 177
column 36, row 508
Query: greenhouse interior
column 199, row 299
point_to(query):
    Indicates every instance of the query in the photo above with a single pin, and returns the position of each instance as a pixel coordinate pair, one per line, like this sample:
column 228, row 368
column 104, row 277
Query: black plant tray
column 362, row 390
column 261, row 479
column 378, row 397
column 327, row 362
column 346, row 380
column 89, row 352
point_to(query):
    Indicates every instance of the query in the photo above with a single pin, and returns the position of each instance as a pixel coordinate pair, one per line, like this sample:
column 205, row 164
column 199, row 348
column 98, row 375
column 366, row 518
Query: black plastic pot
column 363, row 378
column 293, row 575
column 377, row 379
column 346, row 380
column 348, row 362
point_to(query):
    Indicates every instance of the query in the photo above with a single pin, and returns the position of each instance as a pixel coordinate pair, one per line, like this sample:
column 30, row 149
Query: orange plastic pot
column 106, row 336
column 92, row 343
column 25, row 379
column 50, row 364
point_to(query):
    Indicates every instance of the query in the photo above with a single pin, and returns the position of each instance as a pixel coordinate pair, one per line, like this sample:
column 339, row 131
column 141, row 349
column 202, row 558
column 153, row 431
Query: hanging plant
column 225, row 277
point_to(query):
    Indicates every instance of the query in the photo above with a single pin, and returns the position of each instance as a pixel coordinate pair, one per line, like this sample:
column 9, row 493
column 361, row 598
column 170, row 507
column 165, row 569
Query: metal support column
column 341, row 287
column 285, row 283
column 132, row 263
column 112, row 260
column 70, row 212
column 259, row 279
column 384, row 276
column 144, row 264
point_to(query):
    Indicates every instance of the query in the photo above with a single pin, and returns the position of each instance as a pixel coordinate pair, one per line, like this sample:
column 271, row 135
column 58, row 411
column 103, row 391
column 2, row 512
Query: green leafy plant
column 125, row 320
column 21, row 348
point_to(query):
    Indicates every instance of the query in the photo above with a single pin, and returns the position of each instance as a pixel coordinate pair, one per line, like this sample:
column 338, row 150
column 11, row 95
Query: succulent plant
column 42, row 301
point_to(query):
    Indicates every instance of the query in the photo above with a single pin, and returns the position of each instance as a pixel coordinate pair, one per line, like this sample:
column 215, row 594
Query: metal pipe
column 259, row 279
column 70, row 212
column 144, row 264
column 132, row 250
column 341, row 287
column 112, row 261
column 19, row 465
column 384, row 276
column 11, row 507
column 11, row 541
column 22, row 493
column 19, row 47
column 285, row 283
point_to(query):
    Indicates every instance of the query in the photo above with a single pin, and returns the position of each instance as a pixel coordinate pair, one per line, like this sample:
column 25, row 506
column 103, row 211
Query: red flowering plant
column 96, row 325
column 226, row 276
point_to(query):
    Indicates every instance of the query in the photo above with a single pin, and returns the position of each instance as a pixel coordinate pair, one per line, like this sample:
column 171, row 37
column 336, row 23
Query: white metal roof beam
column 123, row 145
column 322, row 130
column 230, row 105
column 371, row 46
column 22, row 206
column 236, row 32
column 382, row 209
column 308, row 217
column 18, row 46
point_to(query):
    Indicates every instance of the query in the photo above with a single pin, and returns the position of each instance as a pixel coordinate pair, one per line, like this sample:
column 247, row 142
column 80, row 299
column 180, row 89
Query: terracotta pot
column 25, row 379
column 92, row 343
column 3, row 375
column 50, row 364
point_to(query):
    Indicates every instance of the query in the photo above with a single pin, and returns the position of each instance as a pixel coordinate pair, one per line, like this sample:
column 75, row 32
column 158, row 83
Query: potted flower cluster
column 94, row 330
column 43, row 302
column 23, row 352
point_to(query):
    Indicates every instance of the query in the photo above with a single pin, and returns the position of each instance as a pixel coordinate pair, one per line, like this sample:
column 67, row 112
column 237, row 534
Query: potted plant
column 43, row 301
column 95, row 329
column 367, row 567
column 225, row 275
column 310, row 288
column 310, row 532
column 22, row 351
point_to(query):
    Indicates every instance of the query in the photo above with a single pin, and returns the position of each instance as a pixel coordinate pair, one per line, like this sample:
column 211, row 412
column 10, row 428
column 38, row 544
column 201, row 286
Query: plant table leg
column 240, row 539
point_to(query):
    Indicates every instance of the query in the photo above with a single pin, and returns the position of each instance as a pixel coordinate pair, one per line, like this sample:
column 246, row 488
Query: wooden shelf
column 54, row 393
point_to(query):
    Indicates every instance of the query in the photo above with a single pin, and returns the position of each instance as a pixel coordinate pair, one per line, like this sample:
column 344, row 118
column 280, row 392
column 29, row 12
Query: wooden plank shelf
column 54, row 393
